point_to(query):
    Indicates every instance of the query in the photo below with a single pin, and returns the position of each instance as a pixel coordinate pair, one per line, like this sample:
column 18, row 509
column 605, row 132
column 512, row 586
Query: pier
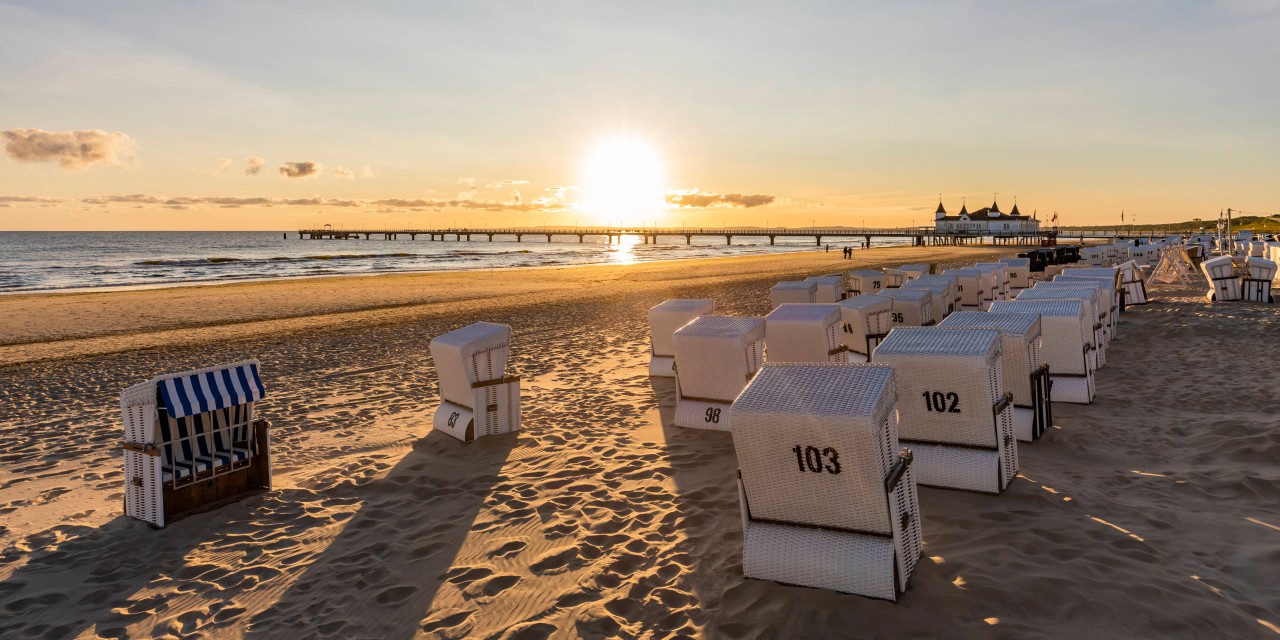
column 919, row 236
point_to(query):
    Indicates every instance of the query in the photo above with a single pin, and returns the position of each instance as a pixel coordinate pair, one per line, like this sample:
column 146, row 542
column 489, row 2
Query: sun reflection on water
column 624, row 252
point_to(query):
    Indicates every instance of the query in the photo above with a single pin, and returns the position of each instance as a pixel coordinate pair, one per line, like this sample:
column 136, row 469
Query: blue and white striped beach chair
column 191, row 441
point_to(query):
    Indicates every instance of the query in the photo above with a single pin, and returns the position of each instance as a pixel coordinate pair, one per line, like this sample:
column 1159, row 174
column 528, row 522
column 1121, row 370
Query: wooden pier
column 918, row 236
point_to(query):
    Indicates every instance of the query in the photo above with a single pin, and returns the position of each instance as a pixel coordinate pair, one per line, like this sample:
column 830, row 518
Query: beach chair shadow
column 92, row 578
column 378, row 577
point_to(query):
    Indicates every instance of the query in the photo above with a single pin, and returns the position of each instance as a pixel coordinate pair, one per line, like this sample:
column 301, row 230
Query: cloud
column 703, row 199
column 5, row 205
column 224, row 167
column 515, row 196
column 300, row 169
column 71, row 149
column 177, row 206
column 470, row 191
column 253, row 165
column 140, row 198
column 367, row 172
column 30, row 199
column 503, row 184
column 343, row 172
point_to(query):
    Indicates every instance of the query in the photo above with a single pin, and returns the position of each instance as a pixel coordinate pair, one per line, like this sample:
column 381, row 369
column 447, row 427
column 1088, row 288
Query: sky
column 285, row 115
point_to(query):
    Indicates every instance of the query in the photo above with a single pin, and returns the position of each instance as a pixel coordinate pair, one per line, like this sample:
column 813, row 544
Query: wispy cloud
column 253, row 165
column 70, row 149
column 469, row 188
column 703, row 199
column 138, row 198
column 503, row 184
column 224, row 167
column 343, row 172
column 31, row 199
column 367, row 172
column 300, row 169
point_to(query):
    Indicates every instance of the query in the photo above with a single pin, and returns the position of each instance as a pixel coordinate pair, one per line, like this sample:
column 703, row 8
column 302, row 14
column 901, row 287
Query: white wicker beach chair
column 1019, row 273
column 1125, row 278
column 1093, row 295
column 865, row 281
column 828, row 289
column 799, row 291
column 954, row 411
column 477, row 397
column 1093, row 256
column 1223, row 278
column 664, row 319
column 973, row 296
column 715, row 358
column 1133, row 282
column 804, row 333
column 943, row 289
column 911, row 307
column 192, row 442
column 1109, row 298
column 828, row 497
column 914, row 271
column 1026, row 376
column 864, row 321
column 1258, row 274
column 894, row 278
column 1002, row 279
column 1068, row 340
column 1257, row 249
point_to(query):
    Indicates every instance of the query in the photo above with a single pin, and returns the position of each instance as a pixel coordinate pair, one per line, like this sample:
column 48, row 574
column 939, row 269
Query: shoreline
column 45, row 325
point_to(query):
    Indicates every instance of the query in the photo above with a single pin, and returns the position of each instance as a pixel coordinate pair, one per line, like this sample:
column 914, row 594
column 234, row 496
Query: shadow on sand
column 378, row 576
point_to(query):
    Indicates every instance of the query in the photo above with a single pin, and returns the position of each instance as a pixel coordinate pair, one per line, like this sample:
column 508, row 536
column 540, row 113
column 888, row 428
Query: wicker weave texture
column 948, row 382
column 1093, row 291
column 861, row 318
column 911, row 307
column 1068, row 336
column 804, row 333
column 796, row 291
column 957, row 467
column 846, row 562
column 815, row 442
column 828, row 289
column 944, row 294
column 698, row 413
column 1020, row 344
column 668, row 316
column 1019, row 272
column 468, row 355
column 969, row 287
column 716, row 355
column 865, row 281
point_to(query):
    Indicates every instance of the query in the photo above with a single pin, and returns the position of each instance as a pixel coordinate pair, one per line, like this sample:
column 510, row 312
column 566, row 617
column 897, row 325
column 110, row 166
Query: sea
column 70, row 261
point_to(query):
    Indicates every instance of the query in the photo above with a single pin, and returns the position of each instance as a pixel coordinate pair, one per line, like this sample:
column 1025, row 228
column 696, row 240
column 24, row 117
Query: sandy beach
column 1150, row 513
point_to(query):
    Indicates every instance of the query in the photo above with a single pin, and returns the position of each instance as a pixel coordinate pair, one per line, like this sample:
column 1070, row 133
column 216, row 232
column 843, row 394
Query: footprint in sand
column 508, row 549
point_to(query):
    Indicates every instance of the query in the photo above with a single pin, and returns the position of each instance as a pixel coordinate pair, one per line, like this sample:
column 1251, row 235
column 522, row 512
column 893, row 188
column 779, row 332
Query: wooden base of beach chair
column 662, row 366
column 1072, row 389
column 700, row 413
column 964, row 468
column 501, row 401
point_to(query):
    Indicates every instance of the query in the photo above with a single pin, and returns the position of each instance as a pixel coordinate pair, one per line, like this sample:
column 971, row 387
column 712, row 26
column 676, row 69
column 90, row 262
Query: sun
column 622, row 181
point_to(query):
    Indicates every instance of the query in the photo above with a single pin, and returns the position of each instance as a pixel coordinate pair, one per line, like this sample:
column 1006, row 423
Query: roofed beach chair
column 1258, row 274
column 829, row 289
column 1026, row 376
column 1109, row 300
column 969, row 285
column 864, row 321
column 1019, row 273
column 894, row 278
column 664, row 319
column 192, row 442
column 954, row 412
column 716, row 357
column 1094, row 256
column 1002, row 280
column 911, row 307
column 1120, row 280
column 1068, row 340
column 828, row 498
column 1225, row 282
column 1094, row 297
column 944, row 293
column 477, row 397
column 914, row 271
column 801, row 291
column 804, row 333
column 862, row 281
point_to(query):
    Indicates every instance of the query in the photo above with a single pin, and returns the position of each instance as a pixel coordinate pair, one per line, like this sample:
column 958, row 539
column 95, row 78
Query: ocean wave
column 204, row 262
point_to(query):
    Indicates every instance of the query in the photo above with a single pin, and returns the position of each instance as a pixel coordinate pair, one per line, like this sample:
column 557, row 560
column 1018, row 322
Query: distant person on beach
column 828, row 248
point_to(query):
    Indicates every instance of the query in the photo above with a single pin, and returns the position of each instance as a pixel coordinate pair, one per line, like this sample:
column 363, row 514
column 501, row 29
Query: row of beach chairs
column 839, row 409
